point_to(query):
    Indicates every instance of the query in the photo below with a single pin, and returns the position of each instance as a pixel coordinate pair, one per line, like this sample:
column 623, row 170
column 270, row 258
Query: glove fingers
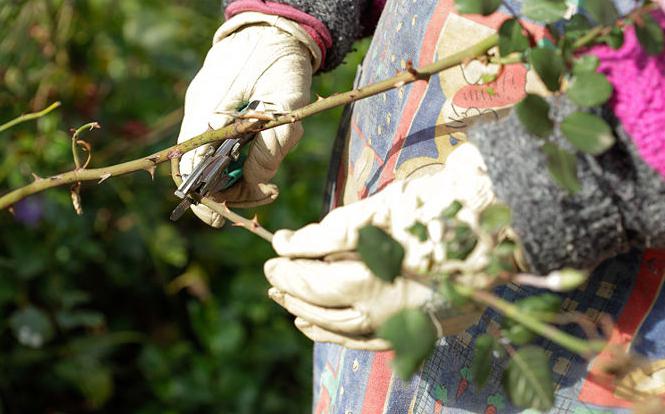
column 208, row 216
column 246, row 195
column 320, row 283
column 318, row 334
column 342, row 320
column 337, row 232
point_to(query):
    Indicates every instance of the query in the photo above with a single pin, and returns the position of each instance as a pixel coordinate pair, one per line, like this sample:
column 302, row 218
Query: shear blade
column 180, row 209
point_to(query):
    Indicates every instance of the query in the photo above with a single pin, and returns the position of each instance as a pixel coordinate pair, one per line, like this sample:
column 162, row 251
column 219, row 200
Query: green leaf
column 512, row 38
column 562, row 166
column 380, row 252
column 615, row 38
column 31, row 327
column 8, row 290
column 545, row 11
column 450, row 294
column 169, row 245
column 533, row 113
column 79, row 318
column 89, row 376
column 220, row 333
column 97, row 385
column 587, row 132
column 566, row 48
column 549, row 65
column 419, row 230
column 590, row 89
column 602, row 11
column 528, row 381
column 518, row 334
column 577, row 26
column 484, row 7
column 542, row 307
column 452, row 210
column 101, row 345
column 502, row 259
column 650, row 35
column 587, row 63
column 413, row 336
column 462, row 243
column 481, row 364
column 71, row 298
column 495, row 218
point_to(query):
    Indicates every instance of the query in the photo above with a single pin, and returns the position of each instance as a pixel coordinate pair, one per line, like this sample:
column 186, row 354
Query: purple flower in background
column 29, row 211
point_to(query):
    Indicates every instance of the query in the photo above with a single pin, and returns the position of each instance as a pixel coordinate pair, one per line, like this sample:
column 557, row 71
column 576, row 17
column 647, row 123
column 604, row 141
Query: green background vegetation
column 120, row 310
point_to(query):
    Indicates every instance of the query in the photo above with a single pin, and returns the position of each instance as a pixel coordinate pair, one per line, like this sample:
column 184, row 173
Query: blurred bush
column 120, row 310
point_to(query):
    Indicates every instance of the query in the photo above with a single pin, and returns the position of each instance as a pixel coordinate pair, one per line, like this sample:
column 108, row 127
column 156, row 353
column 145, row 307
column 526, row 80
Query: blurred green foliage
column 120, row 310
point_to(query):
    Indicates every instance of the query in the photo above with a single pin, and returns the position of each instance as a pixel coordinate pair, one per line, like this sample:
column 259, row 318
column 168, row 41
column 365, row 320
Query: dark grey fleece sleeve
column 341, row 17
column 621, row 204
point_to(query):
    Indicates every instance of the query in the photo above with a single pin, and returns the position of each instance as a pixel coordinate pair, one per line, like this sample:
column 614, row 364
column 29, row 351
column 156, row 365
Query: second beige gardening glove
column 254, row 56
column 341, row 301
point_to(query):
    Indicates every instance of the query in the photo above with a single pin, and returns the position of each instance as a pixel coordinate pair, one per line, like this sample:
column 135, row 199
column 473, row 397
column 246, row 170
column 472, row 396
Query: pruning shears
column 219, row 170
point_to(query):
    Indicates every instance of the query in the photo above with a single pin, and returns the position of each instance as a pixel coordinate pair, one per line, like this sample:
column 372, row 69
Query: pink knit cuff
column 639, row 93
column 313, row 26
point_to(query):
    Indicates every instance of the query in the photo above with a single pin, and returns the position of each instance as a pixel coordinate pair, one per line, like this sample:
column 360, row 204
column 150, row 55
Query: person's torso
column 410, row 131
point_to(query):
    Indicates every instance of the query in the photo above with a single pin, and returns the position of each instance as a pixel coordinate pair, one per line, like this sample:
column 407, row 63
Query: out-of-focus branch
column 29, row 117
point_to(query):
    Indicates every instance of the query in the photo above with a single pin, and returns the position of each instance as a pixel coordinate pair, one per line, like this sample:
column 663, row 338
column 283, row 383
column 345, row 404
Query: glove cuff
column 288, row 26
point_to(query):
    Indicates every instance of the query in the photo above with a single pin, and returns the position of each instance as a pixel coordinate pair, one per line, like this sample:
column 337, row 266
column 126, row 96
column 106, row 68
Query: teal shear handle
column 234, row 171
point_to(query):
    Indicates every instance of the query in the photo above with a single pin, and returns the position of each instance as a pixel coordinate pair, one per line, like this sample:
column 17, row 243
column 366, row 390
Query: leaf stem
column 75, row 141
column 571, row 343
column 29, row 117
column 589, row 37
column 597, row 31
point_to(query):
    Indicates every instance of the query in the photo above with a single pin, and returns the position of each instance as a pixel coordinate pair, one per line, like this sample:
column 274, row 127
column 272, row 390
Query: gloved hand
column 341, row 301
column 254, row 57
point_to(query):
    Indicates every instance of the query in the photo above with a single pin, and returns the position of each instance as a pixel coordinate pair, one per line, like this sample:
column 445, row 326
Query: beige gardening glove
column 341, row 301
column 254, row 56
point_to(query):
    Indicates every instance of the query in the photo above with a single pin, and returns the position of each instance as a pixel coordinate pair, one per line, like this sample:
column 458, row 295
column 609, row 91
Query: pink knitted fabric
column 313, row 26
column 639, row 94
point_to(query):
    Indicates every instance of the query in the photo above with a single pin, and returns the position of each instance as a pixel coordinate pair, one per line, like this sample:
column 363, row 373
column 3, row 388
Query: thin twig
column 76, row 142
column 600, row 31
column 221, row 208
column 29, row 117
column 583, row 321
column 573, row 344
column 590, row 36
